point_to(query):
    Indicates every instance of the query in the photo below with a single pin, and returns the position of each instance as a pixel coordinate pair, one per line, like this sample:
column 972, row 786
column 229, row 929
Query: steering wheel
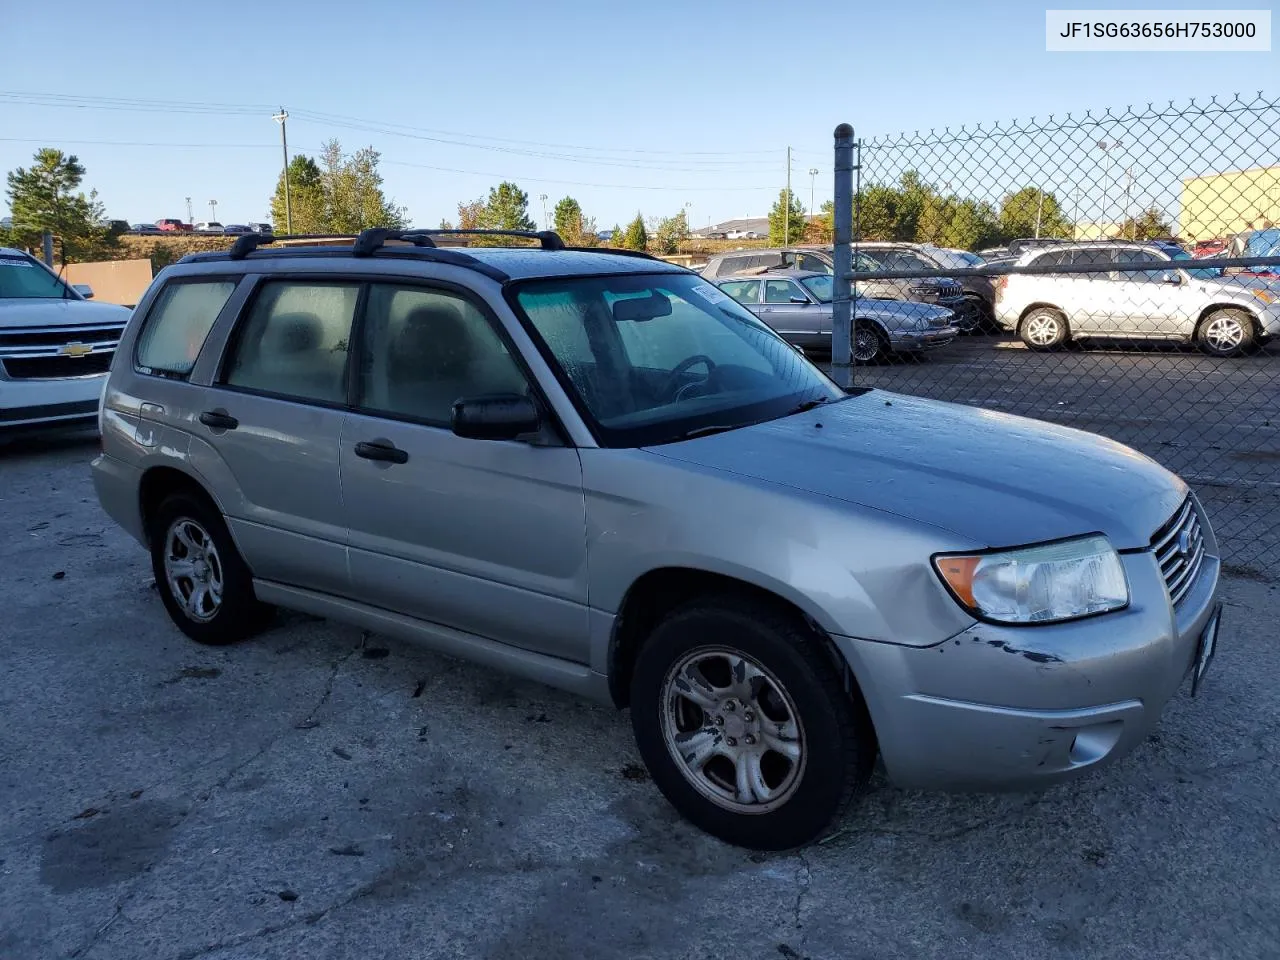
column 672, row 384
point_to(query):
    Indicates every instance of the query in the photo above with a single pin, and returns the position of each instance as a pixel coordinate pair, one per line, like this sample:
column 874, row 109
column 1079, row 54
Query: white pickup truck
column 55, row 346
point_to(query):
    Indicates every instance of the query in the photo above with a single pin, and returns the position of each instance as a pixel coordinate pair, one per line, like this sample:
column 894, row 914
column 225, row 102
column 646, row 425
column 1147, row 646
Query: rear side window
column 744, row 291
column 177, row 325
column 295, row 341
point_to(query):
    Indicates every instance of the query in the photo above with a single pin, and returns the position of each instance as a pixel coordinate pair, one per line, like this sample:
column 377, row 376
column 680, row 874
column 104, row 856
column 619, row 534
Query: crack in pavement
column 801, row 893
column 310, row 720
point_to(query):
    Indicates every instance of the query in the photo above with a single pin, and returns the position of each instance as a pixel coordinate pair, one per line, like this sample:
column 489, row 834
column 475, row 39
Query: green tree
column 933, row 219
column 1148, row 225
column 353, row 191
column 786, row 219
column 575, row 229
column 616, row 236
column 671, row 232
column 636, row 237
column 878, row 213
column 306, row 199
column 507, row 208
column 1021, row 210
column 47, row 196
column 972, row 225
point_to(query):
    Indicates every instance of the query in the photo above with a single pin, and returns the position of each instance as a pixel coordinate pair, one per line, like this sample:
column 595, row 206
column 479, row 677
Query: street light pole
column 546, row 224
column 786, row 209
column 213, row 210
column 280, row 118
column 813, row 172
column 189, row 216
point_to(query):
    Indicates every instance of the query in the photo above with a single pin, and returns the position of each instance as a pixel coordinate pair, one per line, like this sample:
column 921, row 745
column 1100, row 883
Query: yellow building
column 1220, row 204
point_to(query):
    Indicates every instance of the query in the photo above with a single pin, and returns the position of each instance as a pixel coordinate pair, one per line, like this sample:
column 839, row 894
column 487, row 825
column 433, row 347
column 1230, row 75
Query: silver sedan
column 797, row 304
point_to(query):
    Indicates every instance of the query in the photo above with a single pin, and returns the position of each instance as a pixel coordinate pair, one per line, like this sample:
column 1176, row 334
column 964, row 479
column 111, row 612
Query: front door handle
column 381, row 450
column 218, row 420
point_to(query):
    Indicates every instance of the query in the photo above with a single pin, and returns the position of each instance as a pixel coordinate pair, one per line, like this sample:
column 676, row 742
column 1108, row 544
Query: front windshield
column 1200, row 273
column 654, row 357
column 820, row 287
column 22, row 278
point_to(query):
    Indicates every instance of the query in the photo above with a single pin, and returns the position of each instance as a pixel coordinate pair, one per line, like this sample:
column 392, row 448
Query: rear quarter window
column 177, row 325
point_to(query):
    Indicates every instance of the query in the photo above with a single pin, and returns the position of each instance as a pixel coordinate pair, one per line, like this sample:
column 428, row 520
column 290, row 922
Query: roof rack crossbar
column 246, row 243
column 373, row 238
column 619, row 252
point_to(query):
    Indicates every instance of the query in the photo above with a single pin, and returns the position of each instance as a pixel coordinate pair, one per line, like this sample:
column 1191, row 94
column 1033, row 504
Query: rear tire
column 1226, row 333
column 1044, row 329
column 206, row 586
column 745, row 725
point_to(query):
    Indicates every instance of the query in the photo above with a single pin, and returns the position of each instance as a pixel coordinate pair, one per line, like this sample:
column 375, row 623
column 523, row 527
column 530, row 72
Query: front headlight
column 1055, row 581
column 924, row 293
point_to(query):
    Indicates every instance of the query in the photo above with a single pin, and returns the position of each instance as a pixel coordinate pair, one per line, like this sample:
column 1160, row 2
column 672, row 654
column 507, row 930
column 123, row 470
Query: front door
column 790, row 311
column 1156, row 303
column 487, row 537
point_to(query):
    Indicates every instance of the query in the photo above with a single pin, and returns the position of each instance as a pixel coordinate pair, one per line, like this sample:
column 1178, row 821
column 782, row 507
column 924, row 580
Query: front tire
column 206, row 586
column 1226, row 333
column 1044, row 329
column 745, row 724
column 868, row 344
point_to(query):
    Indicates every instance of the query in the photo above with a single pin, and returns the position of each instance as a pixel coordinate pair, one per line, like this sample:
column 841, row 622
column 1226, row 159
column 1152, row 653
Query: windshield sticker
column 14, row 262
column 710, row 294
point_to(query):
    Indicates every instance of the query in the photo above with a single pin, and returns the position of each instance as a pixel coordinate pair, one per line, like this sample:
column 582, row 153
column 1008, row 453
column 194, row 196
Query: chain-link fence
column 1115, row 272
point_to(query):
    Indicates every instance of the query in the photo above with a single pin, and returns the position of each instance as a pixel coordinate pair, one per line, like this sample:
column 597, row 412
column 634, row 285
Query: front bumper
column 999, row 707
column 909, row 341
column 25, row 403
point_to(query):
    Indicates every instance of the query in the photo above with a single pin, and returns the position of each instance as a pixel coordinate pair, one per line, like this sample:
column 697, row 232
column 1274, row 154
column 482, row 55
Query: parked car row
column 172, row 225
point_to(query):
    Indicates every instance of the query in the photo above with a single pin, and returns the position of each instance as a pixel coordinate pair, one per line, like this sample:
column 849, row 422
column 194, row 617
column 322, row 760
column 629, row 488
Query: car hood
column 899, row 312
column 993, row 478
column 29, row 312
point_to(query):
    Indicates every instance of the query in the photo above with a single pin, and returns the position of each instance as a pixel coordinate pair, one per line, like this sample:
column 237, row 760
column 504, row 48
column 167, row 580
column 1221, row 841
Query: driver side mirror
column 1171, row 276
column 83, row 289
column 800, row 300
column 496, row 417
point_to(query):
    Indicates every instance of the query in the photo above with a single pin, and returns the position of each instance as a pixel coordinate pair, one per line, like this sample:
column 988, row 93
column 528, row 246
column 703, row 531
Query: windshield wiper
column 709, row 430
column 807, row 405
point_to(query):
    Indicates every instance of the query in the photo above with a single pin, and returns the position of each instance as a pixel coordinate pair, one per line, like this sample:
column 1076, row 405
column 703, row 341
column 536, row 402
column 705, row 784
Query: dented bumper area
column 1007, row 708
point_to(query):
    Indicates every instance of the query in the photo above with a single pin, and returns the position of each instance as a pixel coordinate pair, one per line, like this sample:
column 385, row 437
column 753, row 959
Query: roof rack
column 373, row 238
column 619, row 252
column 246, row 243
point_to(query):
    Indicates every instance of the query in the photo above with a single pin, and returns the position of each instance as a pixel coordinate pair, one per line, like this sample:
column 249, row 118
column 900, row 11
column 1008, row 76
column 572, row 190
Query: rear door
column 486, row 537
column 265, row 432
column 1090, row 298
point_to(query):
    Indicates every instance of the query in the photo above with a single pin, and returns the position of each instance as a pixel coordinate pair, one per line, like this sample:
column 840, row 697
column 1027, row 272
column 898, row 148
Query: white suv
column 55, row 346
column 1173, row 300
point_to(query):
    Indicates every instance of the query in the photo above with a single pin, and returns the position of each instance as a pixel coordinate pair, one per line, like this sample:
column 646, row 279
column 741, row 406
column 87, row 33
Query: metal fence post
column 842, row 315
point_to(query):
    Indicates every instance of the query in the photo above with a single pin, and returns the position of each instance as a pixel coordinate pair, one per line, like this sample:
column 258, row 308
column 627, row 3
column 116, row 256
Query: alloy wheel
column 1043, row 329
column 866, row 345
column 733, row 730
column 193, row 569
column 1224, row 333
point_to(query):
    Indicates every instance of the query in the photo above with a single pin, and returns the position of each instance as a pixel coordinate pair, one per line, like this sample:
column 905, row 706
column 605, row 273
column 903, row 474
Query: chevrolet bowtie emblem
column 75, row 349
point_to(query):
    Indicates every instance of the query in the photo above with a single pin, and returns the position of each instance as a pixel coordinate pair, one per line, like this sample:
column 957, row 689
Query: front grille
column 42, row 337
column 44, row 368
column 1179, row 549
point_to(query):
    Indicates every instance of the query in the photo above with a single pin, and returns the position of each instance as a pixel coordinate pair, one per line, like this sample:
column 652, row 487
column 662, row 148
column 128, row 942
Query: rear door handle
column 218, row 420
column 381, row 450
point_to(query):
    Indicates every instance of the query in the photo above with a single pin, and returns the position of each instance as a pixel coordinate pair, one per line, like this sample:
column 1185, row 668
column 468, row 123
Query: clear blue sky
column 647, row 106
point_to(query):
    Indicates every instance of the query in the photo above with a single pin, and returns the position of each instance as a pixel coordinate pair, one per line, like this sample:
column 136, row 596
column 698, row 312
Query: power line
column 389, row 128
column 135, row 143
column 570, row 183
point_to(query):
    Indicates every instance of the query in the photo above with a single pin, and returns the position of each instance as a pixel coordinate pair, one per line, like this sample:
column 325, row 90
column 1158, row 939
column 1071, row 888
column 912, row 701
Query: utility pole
column 813, row 172
column 213, row 210
column 189, row 217
column 546, row 224
column 786, row 209
column 280, row 118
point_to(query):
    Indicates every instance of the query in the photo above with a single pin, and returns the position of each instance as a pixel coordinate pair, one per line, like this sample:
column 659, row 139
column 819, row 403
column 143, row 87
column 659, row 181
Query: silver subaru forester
column 599, row 471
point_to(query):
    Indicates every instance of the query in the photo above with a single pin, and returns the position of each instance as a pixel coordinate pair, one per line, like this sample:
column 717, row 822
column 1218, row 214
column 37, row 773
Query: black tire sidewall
column 828, row 717
column 882, row 345
column 240, row 613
